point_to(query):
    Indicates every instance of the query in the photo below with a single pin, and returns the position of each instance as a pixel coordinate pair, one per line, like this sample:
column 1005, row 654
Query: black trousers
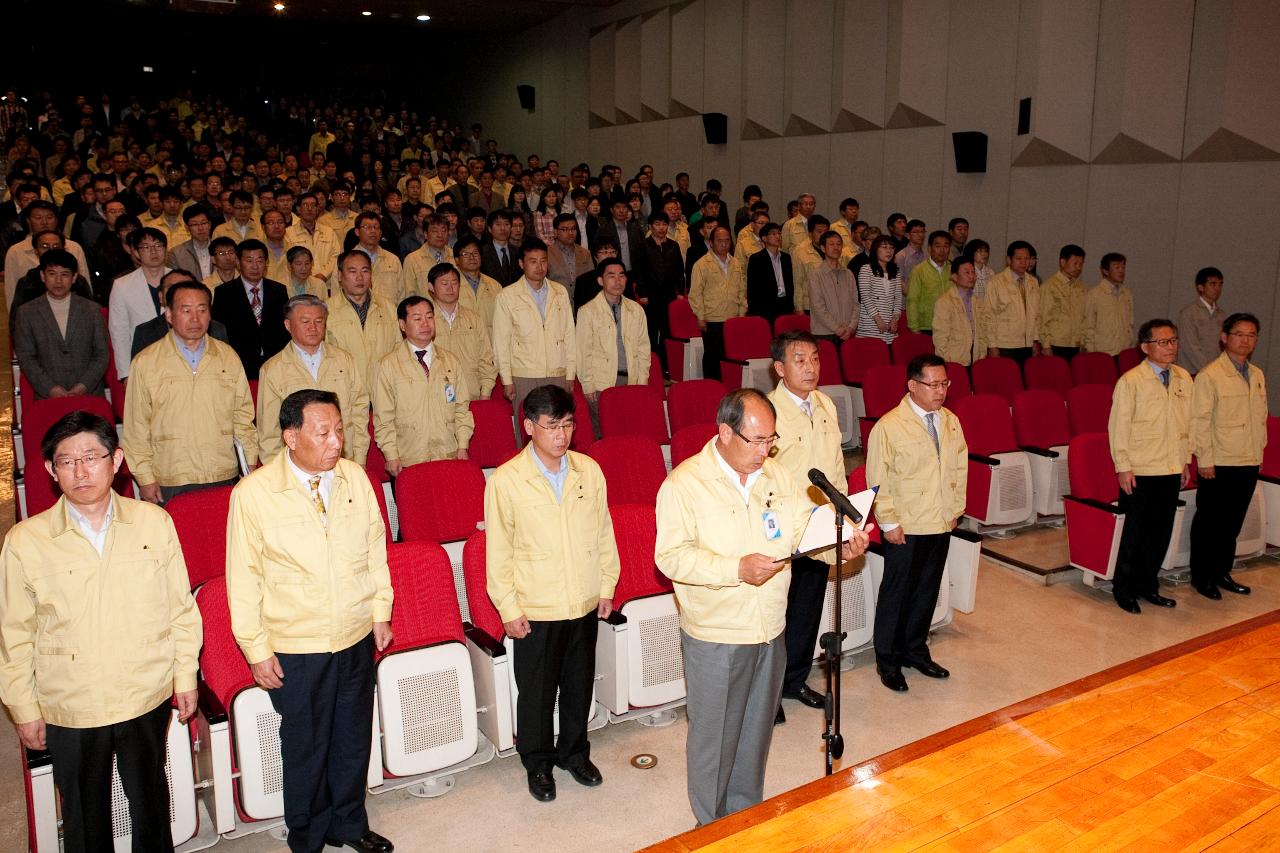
column 804, row 616
column 908, row 595
column 1018, row 354
column 1221, row 505
column 1148, row 524
column 168, row 493
column 326, row 723
column 555, row 655
column 659, row 321
column 1066, row 352
column 712, row 350
column 82, row 770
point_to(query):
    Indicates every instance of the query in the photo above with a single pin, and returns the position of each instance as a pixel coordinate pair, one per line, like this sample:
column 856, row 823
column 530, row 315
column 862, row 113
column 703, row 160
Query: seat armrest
column 1267, row 478
column 740, row 361
column 1096, row 504
column 209, row 704
column 615, row 618
column 1039, row 451
column 483, row 641
column 966, row 535
column 678, row 340
column 37, row 758
column 983, row 460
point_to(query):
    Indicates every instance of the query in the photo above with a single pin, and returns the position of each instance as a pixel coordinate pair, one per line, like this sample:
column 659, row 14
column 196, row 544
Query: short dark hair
column 915, row 223
column 494, row 216
column 1203, row 276
column 1240, row 317
column 733, row 407
column 1069, row 251
column 816, row 220
column 917, row 365
column 219, row 242
column 609, row 262
column 59, row 258
column 192, row 212
column 171, row 295
column 849, row 202
column 657, row 216
column 533, row 244
column 402, row 310
column 1144, row 333
column 137, row 236
column 768, row 228
column 778, row 348
column 72, row 424
column 293, row 409
column 1019, row 244
column 894, row 217
column 956, row 220
column 934, row 235
column 251, row 245
column 296, row 252
column 436, row 272
column 550, row 400
column 342, row 259
column 972, row 247
column 1110, row 258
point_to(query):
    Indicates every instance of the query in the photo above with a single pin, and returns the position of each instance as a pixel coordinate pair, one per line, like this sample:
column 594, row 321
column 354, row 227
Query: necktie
column 422, row 359
column 933, row 431
column 502, row 256
column 1164, row 377
column 255, row 302
column 808, row 408
column 316, row 498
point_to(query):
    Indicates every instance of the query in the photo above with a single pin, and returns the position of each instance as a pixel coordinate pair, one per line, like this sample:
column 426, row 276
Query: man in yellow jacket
column 552, row 568
column 479, row 292
column 323, row 244
column 421, row 405
column 310, row 597
column 533, row 339
column 461, row 330
column 432, row 253
column 727, row 517
column 1012, row 308
column 957, row 316
column 99, row 632
column 613, row 339
column 1062, row 298
column 1228, row 434
column 717, row 291
column 808, row 437
column 1150, row 436
column 918, row 458
column 308, row 363
column 1108, row 309
column 188, row 401
column 359, row 322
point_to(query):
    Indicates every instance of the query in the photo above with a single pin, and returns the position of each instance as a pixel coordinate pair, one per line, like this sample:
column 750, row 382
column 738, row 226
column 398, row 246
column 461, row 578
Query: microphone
column 842, row 503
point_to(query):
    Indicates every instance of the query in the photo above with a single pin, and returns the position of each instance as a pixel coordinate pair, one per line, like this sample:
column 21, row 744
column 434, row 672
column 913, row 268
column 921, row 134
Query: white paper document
column 820, row 532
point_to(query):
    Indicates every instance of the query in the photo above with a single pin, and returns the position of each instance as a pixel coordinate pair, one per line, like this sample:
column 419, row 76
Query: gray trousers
column 733, row 695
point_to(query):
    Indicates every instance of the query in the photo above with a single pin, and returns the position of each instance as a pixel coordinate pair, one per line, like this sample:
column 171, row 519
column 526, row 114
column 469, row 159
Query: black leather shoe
column 1159, row 600
column 893, row 679
column 542, row 785
column 1208, row 591
column 370, row 842
column 780, row 717
column 931, row 669
column 585, row 773
column 1128, row 605
column 806, row 695
column 1229, row 584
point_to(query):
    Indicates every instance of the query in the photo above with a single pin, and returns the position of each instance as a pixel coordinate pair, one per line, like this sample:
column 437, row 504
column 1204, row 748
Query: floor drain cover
column 644, row 761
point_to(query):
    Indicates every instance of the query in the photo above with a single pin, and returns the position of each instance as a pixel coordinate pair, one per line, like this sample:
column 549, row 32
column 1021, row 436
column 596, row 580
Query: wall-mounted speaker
column 525, row 93
column 1024, row 116
column 716, row 127
column 971, row 151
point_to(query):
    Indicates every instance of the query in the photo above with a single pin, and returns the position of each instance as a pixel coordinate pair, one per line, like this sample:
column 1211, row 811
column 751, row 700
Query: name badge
column 772, row 530
column 450, row 396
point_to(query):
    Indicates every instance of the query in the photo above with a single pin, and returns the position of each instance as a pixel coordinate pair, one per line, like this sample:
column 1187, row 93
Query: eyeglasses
column 1248, row 336
column 150, row 247
column 934, row 386
column 562, row 426
column 468, row 254
column 767, row 442
column 1162, row 342
column 68, row 463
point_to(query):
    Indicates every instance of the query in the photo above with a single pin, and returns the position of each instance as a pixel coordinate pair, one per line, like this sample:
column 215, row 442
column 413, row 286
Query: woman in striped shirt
column 880, row 293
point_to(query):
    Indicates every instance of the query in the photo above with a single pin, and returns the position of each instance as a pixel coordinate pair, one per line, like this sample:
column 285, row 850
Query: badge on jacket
column 450, row 396
column 772, row 530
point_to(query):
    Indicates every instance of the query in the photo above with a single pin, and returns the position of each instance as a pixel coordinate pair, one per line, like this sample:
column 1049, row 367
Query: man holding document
column 727, row 518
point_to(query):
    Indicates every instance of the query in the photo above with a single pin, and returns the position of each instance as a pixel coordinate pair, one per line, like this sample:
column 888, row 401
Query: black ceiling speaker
column 525, row 94
column 716, row 127
column 971, row 151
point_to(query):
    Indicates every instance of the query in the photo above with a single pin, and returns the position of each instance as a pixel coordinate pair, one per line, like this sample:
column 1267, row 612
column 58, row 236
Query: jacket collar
column 61, row 522
column 280, row 477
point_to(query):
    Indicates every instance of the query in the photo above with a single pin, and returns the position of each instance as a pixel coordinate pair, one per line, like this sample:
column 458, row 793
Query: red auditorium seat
column 1050, row 372
column 1268, row 479
column 1128, row 359
column 694, row 401
column 442, row 501
column 858, row 355
column 996, row 375
column 632, row 410
column 746, row 359
column 791, row 323
column 999, row 485
column 583, row 435
column 1094, row 521
column 200, row 518
column 1094, row 368
column 41, row 491
column 494, row 440
column 883, row 387
column 1089, row 408
column 656, row 382
column 959, row 376
column 684, row 344
column 633, row 468
column 689, row 441
column 1040, row 427
column 907, row 345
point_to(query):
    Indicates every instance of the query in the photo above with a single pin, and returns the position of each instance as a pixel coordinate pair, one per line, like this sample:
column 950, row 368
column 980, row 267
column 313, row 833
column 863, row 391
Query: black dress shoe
column 370, row 842
column 1159, row 600
column 1229, row 584
column 931, row 669
column 585, row 773
column 1208, row 591
column 1128, row 605
column 806, row 695
column 893, row 679
column 542, row 785
column 780, row 717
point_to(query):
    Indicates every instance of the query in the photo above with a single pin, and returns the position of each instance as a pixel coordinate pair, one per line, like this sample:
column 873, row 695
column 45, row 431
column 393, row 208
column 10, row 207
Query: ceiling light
column 279, row 7
column 424, row 17
column 366, row 13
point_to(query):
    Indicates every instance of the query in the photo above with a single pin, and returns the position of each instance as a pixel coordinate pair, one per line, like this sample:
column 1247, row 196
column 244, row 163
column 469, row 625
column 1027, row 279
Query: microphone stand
column 831, row 646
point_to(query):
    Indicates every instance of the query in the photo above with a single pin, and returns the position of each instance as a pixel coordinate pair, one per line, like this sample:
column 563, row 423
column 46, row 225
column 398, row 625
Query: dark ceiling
column 447, row 15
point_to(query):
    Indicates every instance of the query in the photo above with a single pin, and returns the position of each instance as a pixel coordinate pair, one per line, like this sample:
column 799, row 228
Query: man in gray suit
column 193, row 255
column 61, row 339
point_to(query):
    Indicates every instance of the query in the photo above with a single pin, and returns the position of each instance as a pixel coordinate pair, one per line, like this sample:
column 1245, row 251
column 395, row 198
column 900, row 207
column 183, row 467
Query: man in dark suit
column 61, row 340
column 587, row 286
column 252, row 308
column 661, row 281
column 156, row 328
column 770, row 287
column 497, row 259
column 627, row 232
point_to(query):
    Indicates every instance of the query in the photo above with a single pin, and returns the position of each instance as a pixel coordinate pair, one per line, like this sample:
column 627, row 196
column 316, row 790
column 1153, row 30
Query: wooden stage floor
column 1179, row 750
